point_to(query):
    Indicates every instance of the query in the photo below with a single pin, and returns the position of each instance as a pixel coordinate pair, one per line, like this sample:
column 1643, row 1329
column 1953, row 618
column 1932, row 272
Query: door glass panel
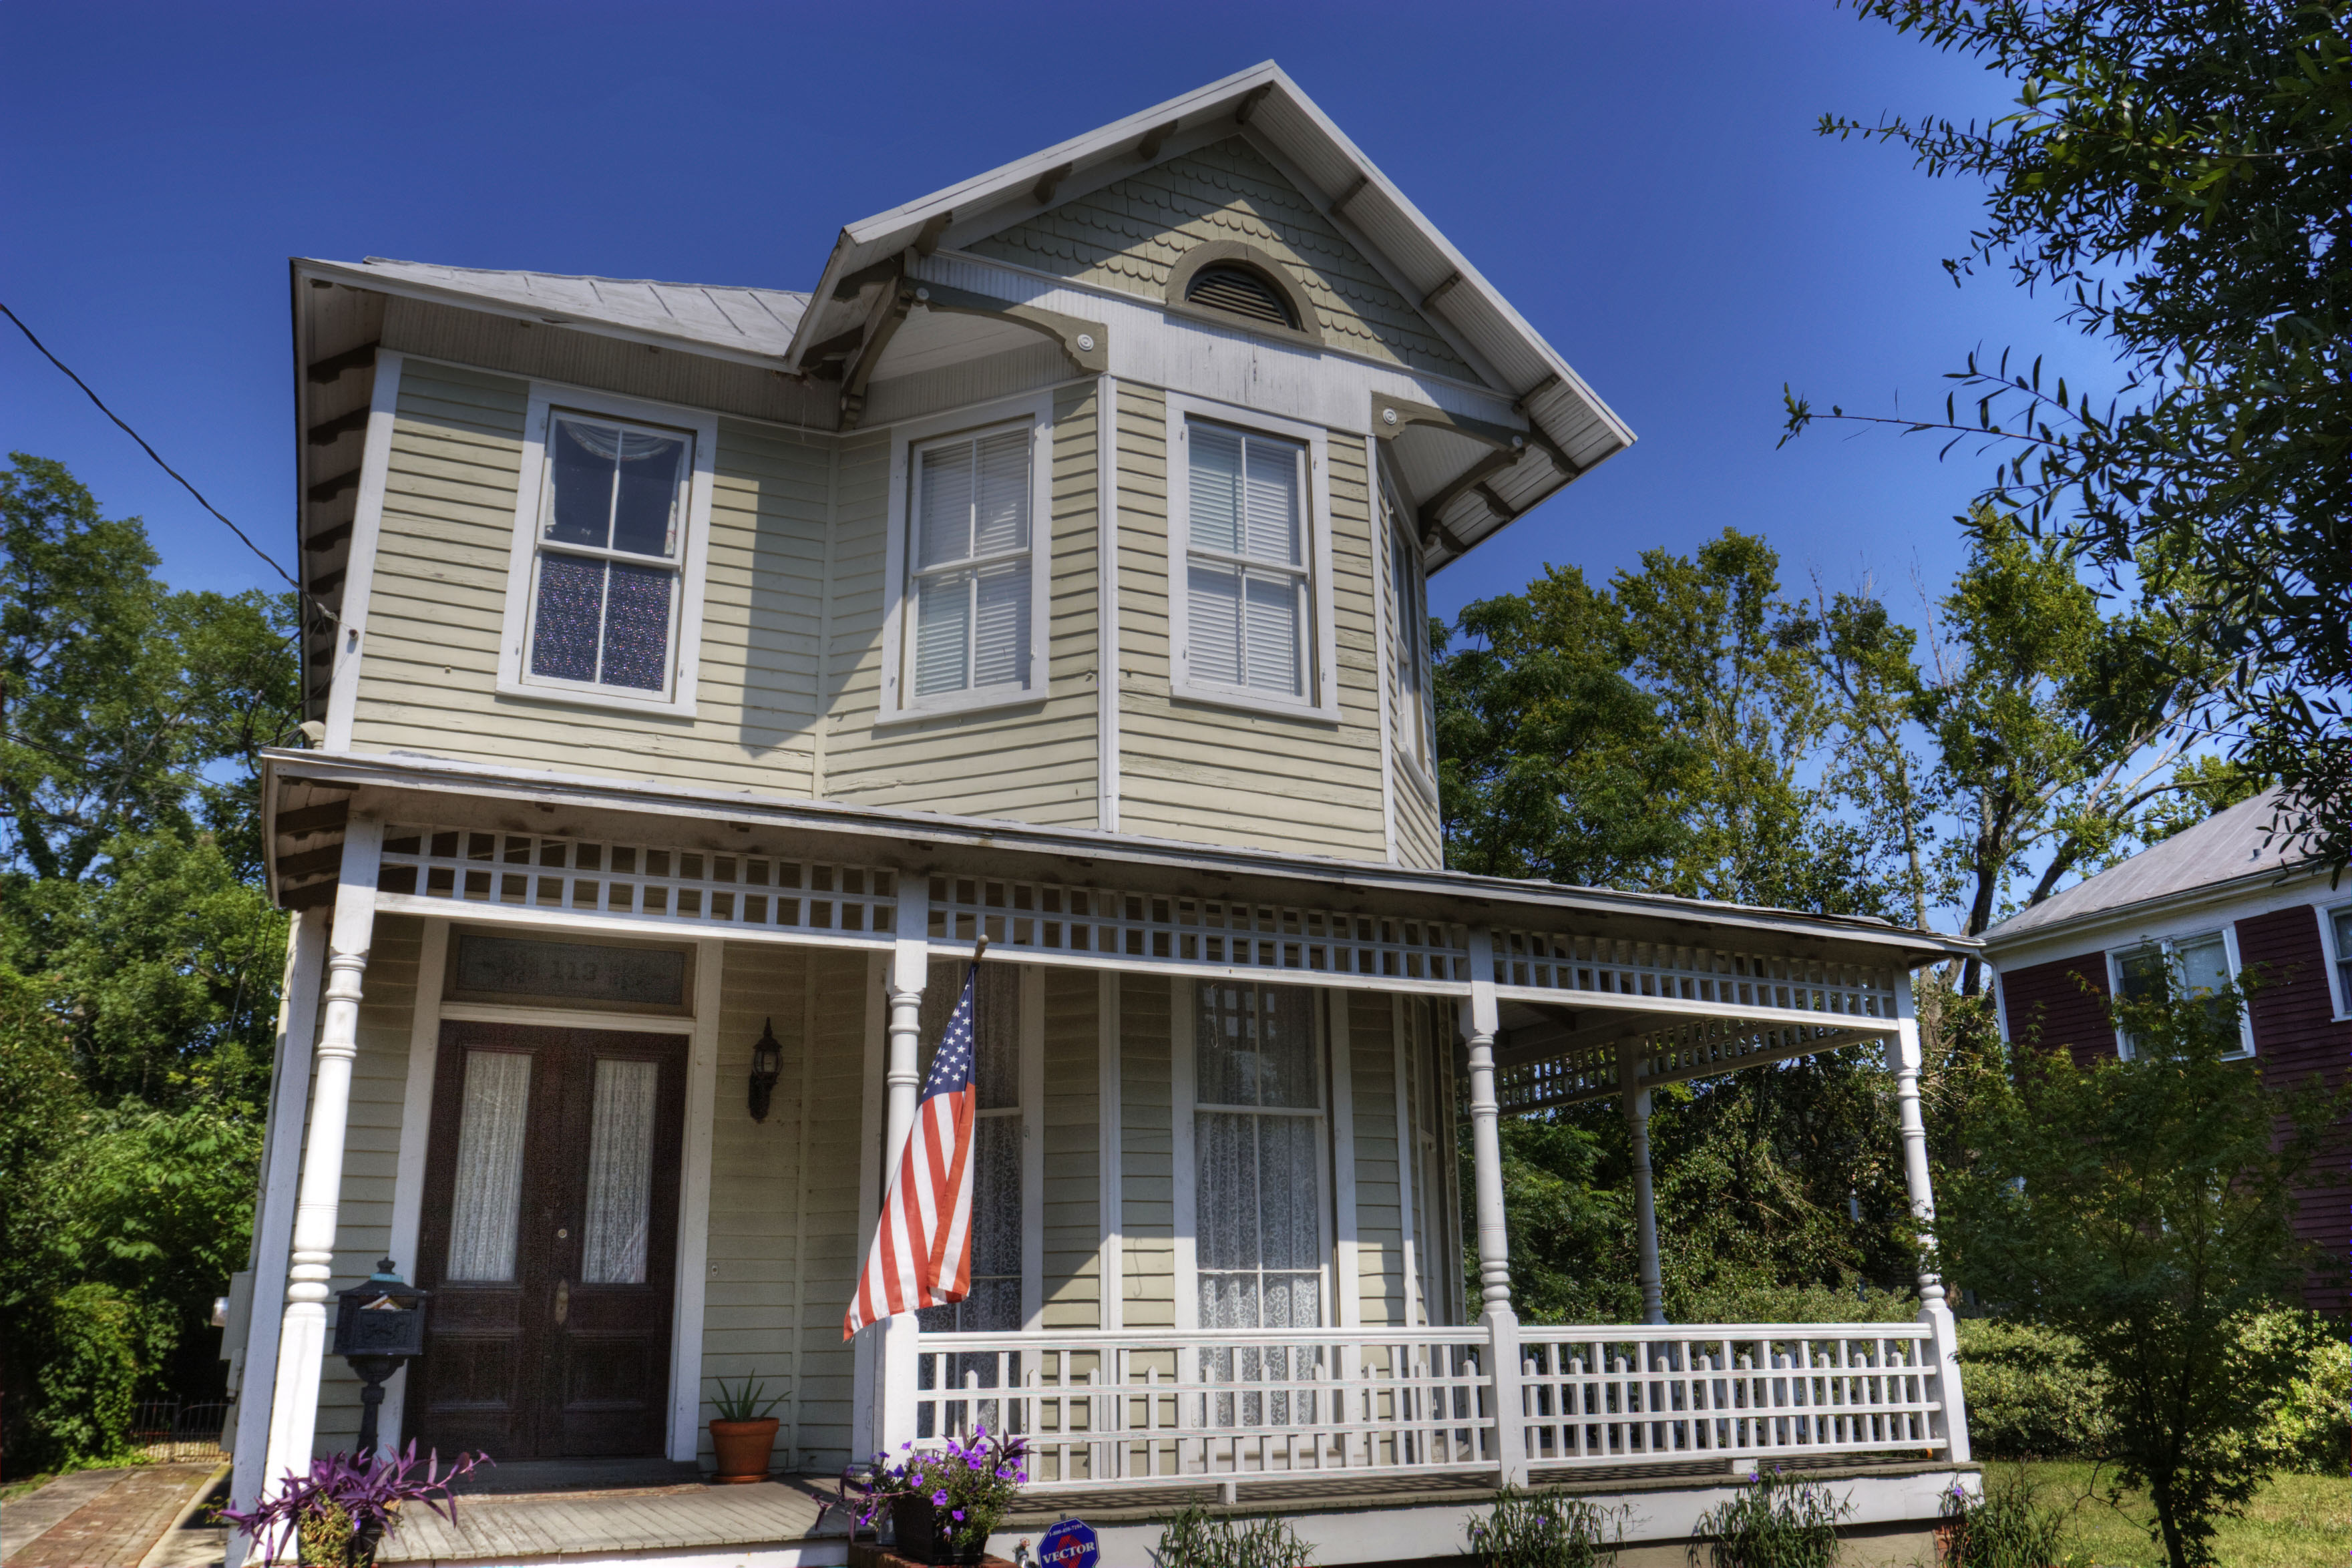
column 487, row 1207
column 620, row 1172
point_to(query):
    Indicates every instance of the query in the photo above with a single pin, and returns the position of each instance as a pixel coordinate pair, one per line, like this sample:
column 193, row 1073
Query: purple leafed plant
column 338, row 1511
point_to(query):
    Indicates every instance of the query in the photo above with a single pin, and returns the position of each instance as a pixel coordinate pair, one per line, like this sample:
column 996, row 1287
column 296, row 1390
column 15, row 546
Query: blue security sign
column 1069, row 1545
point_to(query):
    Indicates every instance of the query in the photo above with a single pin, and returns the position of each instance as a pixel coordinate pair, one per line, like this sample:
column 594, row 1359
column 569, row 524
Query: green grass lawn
column 2295, row 1521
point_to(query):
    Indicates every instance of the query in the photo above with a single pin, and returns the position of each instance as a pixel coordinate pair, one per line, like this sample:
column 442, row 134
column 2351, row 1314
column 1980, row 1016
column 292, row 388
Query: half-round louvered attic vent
column 1241, row 291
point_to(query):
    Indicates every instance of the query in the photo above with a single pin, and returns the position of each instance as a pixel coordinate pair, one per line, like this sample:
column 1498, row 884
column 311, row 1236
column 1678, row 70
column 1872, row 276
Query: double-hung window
column 966, row 566
column 605, row 590
column 2339, row 922
column 1416, row 720
column 1248, row 564
column 2190, row 966
column 1257, row 1138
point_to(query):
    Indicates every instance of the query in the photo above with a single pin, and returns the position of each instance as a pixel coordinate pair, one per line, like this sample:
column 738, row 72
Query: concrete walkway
column 98, row 1519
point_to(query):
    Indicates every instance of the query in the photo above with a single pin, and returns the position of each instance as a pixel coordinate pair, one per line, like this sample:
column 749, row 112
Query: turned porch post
column 302, row 1345
column 894, row 1413
column 1952, row 1425
column 1480, row 1021
column 1635, row 1100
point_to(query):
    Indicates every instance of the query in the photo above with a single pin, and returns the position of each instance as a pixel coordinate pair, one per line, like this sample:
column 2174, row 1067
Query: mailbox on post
column 379, row 1327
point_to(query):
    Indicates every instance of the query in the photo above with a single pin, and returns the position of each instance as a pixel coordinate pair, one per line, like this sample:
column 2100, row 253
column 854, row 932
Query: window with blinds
column 970, row 573
column 1416, row 718
column 1248, row 584
column 605, row 576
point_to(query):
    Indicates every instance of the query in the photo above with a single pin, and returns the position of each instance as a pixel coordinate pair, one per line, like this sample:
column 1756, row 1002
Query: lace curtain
column 620, row 1172
column 488, row 1208
column 1258, row 1205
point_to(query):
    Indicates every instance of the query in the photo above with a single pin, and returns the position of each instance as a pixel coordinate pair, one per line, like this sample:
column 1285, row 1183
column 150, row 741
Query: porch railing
column 1141, row 1408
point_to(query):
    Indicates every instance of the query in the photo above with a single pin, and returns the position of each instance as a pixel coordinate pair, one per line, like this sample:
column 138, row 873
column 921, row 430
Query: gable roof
column 2233, row 845
column 1331, row 170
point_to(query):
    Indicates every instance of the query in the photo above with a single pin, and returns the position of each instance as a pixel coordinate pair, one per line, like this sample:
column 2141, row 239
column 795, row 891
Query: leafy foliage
column 968, row 1483
column 2175, row 172
column 2031, row 1392
column 1777, row 1521
column 344, row 1505
column 1197, row 1539
column 2005, row 1526
column 1539, row 1531
column 2143, row 1207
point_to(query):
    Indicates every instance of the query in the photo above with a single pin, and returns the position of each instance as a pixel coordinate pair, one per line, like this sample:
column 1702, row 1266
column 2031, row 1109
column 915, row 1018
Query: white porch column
column 1637, row 1102
column 294, row 1414
column 894, row 1413
column 273, row 1218
column 1480, row 1021
column 1934, row 1311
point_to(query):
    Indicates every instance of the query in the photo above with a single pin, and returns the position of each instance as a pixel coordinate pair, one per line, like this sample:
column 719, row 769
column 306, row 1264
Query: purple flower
column 939, row 1500
column 959, row 1515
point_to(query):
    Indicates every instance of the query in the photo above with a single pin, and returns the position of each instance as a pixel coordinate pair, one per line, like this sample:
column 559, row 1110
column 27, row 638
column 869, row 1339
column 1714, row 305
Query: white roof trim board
column 2230, row 848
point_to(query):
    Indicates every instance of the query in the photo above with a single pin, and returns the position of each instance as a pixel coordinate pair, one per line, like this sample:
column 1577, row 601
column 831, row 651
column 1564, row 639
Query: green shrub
column 89, row 1379
column 1776, row 1522
column 2031, row 1393
column 2310, row 1427
column 1196, row 1538
column 2004, row 1527
column 1539, row 1532
column 1745, row 1300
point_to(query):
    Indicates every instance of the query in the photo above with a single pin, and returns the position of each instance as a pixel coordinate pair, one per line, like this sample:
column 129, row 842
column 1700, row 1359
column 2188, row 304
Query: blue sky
column 1642, row 180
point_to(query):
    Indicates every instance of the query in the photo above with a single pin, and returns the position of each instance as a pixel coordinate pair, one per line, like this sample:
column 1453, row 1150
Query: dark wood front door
column 550, row 1242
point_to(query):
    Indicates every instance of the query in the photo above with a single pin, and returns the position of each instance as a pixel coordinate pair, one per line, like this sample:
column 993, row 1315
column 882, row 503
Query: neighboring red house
column 2218, row 900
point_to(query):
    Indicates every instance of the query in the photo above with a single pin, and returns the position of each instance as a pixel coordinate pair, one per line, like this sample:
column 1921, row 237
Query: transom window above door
column 605, row 590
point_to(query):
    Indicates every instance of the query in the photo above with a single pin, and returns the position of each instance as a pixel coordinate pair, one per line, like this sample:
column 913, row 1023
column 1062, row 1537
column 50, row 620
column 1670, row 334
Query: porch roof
column 299, row 789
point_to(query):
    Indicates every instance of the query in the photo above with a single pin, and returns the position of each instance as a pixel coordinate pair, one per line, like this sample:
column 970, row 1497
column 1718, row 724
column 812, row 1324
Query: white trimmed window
column 1416, row 718
column 605, row 580
column 1259, row 1157
column 1249, row 561
column 2337, row 923
column 968, row 563
column 2199, row 964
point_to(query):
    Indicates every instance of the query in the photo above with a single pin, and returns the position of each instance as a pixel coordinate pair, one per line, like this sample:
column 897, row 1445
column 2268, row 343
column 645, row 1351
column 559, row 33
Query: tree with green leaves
column 2144, row 1206
column 2174, row 170
column 140, row 956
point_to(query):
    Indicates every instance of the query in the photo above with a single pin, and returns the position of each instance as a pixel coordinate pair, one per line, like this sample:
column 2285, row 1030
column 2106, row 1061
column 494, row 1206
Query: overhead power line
column 160, row 463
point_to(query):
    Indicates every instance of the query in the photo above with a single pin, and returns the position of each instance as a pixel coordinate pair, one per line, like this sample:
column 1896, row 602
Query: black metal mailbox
column 383, row 1315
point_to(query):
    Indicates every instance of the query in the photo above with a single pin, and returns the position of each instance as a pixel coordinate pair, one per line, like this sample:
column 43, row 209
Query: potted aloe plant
column 943, row 1503
column 743, row 1433
column 334, row 1516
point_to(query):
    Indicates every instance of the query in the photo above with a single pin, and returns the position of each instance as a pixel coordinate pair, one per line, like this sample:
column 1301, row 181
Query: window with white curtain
column 1416, row 718
column 1257, row 1135
column 620, row 1172
column 996, row 1197
column 610, row 549
column 485, row 1208
column 1249, row 616
column 969, row 573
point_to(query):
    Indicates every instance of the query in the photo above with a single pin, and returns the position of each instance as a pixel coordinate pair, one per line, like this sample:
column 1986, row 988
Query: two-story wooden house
column 699, row 671
column 2224, row 903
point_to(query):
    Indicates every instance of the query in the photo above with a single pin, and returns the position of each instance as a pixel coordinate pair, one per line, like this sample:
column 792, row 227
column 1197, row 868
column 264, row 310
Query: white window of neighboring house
column 1249, row 561
column 968, row 561
column 2338, row 924
column 1416, row 718
column 604, row 582
column 2201, row 964
column 1258, row 1155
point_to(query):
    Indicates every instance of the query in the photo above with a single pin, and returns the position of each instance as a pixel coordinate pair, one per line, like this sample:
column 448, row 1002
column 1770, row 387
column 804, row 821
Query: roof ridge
column 575, row 277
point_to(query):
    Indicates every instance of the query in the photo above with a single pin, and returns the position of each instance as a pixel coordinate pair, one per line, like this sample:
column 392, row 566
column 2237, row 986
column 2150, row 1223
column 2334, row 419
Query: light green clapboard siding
column 750, row 1297
column 1072, row 1286
column 435, row 608
column 1035, row 763
column 1380, row 1234
column 1129, row 235
column 370, row 1152
column 1420, row 838
column 1147, row 1153
column 834, row 1073
column 1216, row 776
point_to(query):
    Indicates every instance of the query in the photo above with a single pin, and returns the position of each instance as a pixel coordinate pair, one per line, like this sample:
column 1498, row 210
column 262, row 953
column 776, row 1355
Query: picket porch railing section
column 1139, row 1408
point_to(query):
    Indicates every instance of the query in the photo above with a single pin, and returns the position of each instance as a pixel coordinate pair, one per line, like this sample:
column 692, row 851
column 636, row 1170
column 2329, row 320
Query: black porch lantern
column 767, row 1067
column 379, row 1326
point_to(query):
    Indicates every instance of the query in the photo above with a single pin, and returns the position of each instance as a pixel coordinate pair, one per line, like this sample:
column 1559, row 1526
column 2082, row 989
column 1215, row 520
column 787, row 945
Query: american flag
column 921, row 1254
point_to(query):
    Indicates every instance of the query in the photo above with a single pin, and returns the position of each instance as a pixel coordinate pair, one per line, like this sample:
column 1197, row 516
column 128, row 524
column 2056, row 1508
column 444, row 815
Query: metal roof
column 2229, row 845
column 756, row 321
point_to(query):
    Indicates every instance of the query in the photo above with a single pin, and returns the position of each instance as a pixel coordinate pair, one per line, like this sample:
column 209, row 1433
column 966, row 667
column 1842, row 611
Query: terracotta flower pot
column 743, row 1449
